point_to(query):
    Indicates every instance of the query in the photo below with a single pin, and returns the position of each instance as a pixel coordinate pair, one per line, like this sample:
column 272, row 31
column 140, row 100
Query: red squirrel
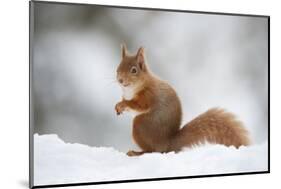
column 156, row 127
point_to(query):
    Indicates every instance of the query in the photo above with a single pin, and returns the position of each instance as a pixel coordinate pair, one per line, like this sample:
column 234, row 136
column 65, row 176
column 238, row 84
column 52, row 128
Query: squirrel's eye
column 133, row 70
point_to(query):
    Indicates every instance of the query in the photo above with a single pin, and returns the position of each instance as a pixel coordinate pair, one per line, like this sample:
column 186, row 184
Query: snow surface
column 57, row 162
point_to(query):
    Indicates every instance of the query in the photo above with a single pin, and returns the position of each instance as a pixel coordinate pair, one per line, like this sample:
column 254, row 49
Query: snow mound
column 57, row 162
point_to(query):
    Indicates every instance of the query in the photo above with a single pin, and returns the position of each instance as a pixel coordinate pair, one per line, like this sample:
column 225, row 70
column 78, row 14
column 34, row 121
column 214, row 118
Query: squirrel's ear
column 141, row 58
column 123, row 50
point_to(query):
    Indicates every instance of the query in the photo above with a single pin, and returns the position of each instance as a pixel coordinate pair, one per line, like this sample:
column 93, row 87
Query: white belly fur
column 128, row 94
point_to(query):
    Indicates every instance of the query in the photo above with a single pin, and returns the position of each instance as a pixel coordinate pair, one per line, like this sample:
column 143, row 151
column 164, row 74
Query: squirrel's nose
column 120, row 81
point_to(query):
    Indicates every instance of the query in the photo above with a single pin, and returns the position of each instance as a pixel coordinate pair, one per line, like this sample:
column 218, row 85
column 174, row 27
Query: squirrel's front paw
column 120, row 107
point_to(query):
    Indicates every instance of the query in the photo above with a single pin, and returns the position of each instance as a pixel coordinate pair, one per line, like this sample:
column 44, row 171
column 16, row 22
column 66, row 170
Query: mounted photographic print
column 123, row 94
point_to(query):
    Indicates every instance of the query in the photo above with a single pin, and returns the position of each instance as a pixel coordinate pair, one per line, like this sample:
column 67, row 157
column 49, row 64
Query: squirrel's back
column 214, row 126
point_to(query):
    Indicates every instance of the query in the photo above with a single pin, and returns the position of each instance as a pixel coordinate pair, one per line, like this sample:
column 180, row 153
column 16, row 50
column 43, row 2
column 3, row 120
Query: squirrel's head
column 132, row 70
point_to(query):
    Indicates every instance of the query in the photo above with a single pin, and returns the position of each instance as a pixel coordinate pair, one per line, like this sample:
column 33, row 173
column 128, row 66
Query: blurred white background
column 211, row 61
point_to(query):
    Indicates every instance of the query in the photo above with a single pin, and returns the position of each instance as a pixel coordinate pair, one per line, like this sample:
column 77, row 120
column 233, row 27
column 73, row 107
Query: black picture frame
column 31, row 185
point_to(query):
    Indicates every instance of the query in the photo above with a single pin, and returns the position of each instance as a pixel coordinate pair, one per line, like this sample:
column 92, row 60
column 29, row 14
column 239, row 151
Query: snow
column 57, row 162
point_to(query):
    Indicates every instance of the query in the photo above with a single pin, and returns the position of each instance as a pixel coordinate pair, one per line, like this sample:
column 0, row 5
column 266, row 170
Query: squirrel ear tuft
column 123, row 50
column 141, row 58
column 140, row 52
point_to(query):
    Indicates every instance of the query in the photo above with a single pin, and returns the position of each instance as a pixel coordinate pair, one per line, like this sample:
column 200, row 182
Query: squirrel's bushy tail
column 214, row 126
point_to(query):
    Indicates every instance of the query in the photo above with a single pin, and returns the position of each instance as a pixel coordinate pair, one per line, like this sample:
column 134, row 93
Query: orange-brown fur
column 157, row 127
column 214, row 126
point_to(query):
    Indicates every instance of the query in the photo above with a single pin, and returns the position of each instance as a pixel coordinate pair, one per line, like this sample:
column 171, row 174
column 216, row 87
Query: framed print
column 126, row 94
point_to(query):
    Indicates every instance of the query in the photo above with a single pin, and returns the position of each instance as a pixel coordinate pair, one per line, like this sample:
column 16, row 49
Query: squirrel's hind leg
column 134, row 153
